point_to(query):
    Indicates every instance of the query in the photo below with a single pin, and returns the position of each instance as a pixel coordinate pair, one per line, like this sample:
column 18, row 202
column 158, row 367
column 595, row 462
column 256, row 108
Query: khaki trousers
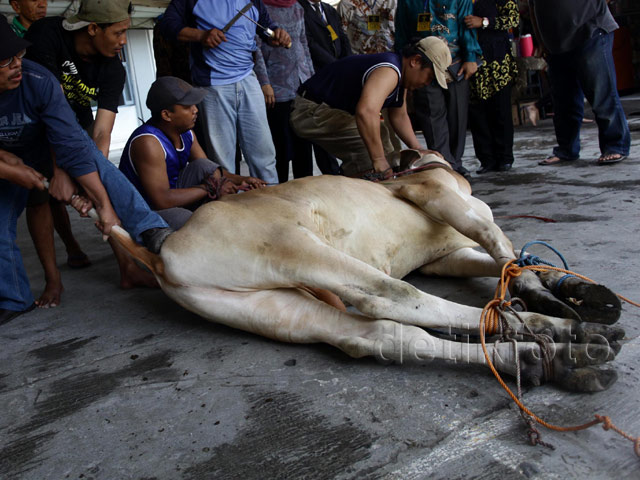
column 335, row 131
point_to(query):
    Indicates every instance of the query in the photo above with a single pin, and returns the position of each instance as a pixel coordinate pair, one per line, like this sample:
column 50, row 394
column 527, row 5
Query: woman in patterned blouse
column 490, row 109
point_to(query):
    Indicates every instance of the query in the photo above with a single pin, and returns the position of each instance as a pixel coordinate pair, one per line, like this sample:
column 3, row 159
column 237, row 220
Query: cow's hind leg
column 293, row 315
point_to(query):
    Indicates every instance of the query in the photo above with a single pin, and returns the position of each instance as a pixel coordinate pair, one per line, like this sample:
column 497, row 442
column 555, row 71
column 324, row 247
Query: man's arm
column 102, row 128
column 377, row 88
column 148, row 156
column 468, row 41
column 399, row 119
column 14, row 170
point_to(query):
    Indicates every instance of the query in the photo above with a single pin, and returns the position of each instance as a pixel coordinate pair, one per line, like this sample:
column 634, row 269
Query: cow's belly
column 251, row 241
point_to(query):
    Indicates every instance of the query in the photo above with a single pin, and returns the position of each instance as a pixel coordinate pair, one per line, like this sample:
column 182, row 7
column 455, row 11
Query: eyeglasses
column 9, row 61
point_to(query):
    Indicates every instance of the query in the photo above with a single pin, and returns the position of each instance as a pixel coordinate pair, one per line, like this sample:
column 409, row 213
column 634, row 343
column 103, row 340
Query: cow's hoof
column 592, row 302
column 587, row 379
column 541, row 300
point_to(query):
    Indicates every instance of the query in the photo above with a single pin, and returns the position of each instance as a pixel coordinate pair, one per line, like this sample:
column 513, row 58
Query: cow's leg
column 464, row 262
column 293, row 315
column 378, row 295
column 444, row 199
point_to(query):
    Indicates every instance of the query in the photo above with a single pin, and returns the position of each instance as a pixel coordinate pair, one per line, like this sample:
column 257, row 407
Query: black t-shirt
column 101, row 79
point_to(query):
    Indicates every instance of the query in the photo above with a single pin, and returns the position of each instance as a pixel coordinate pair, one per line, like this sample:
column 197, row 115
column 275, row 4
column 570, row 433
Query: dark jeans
column 442, row 116
column 492, row 129
column 587, row 72
column 289, row 146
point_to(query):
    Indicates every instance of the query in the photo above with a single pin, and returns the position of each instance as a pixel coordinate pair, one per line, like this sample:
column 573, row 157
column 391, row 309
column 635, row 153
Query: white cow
column 274, row 262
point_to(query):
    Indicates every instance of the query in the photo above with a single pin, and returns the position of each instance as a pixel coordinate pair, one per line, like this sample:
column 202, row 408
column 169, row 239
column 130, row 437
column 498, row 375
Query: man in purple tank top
column 165, row 162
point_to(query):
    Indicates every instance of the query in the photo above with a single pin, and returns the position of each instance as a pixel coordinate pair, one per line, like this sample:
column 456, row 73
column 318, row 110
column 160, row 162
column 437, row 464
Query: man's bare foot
column 77, row 259
column 132, row 276
column 50, row 297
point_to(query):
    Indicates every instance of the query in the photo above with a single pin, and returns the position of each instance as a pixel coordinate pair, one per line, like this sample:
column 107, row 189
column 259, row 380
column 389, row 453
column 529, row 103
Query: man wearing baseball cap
column 83, row 52
column 339, row 107
column 165, row 162
column 34, row 119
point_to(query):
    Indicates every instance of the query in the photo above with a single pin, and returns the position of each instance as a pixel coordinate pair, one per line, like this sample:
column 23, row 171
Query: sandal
column 553, row 160
column 609, row 158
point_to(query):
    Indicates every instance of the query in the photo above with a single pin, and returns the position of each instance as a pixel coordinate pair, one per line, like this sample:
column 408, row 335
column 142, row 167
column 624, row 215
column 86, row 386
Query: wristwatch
column 485, row 22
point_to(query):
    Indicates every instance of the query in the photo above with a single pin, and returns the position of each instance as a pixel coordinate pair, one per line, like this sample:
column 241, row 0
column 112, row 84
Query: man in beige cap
column 339, row 107
column 83, row 53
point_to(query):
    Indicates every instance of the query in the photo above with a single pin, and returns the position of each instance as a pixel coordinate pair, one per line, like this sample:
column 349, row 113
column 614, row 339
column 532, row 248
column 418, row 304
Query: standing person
column 82, row 52
column 222, row 46
column 370, row 25
column 325, row 36
column 490, row 108
column 578, row 38
column 27, row 12
column 34, row 119
column 327, row 42
column 442, row 114
column 44, row 213
column 280, row 72
column 339, row 107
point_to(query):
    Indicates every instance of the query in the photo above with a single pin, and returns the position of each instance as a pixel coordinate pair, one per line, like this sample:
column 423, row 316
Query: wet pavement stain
column 17, row 457
column 60, row 350
column 285, row 438
column 140, row 340
column 76, row 392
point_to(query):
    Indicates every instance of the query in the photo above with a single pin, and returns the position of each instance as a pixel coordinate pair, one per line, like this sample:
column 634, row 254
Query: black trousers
column 442, row 116
column 492, row 129
column 289, row 147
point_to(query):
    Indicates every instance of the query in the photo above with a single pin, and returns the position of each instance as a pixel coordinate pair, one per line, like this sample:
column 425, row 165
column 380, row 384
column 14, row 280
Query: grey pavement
column 125, row 384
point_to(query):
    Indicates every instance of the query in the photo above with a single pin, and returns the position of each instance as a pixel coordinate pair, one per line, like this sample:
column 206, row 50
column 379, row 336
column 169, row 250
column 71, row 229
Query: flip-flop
column 553, row 160
column 609, row 158
column 78, row 261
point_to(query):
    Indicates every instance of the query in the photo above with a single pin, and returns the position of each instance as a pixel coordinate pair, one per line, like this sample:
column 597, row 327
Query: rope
column 489, row 323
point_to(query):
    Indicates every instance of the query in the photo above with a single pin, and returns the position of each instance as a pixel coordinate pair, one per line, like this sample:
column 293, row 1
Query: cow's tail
column 150, row 260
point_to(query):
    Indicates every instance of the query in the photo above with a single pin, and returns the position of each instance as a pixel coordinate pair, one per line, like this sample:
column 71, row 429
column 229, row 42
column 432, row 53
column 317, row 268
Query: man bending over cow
column 34, row 116
column 339, row 107
column 165, row 162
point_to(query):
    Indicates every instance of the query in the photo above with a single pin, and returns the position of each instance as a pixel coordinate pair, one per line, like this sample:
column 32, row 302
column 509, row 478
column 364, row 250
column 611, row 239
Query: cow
column 282, row 261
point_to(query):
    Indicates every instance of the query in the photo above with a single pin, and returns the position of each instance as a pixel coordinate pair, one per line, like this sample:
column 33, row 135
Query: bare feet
column 50, row 297
column 77, row 259
column 132, row 276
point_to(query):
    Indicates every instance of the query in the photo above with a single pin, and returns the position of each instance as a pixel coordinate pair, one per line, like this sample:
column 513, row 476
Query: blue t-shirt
column 340, row 83
column 176, row 159
column 36, row 115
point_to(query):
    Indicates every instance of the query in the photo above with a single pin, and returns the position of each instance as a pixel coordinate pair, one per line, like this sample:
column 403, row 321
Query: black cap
column 168, row 91
column 10, row 43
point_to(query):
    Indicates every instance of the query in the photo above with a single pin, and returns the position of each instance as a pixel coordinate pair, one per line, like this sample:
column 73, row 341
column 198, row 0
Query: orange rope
column 489, row 322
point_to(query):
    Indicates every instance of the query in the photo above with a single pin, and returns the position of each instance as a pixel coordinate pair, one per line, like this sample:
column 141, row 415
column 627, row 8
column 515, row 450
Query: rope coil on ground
column 490, row 324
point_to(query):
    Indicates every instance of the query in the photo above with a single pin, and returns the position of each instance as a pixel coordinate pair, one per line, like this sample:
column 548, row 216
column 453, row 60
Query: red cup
column 526, row 45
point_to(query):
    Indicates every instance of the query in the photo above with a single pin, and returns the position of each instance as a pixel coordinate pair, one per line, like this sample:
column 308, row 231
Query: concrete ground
column 125, row 384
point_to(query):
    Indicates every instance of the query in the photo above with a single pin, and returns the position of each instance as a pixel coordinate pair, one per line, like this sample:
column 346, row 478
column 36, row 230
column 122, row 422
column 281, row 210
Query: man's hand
column 245, row 183
column 26, row 177
column 62, row 187
column 82, row 205
column 269, row 95
column 108, row 219
column 471, row 21
column 13, row 169
column 280, row 38
column 380, row 164
column 212, row 38
column 227, row 187
column 467, row 69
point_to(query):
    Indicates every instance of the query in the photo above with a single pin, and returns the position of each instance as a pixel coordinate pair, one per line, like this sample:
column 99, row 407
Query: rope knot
column 605, row 420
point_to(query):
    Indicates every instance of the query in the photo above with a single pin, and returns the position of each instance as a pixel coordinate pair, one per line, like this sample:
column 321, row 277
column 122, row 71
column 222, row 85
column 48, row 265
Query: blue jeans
column 236, row 113
column 133, row 211
column 587, row 72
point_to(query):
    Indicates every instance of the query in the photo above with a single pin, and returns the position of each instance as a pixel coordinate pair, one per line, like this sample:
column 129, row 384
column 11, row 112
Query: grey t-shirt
column 567, row 24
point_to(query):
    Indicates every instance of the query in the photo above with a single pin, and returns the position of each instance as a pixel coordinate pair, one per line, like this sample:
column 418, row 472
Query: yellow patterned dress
column 499, row 67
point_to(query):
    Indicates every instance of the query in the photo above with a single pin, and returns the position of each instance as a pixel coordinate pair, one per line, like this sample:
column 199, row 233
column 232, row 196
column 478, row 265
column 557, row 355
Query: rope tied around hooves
column 492, row 322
